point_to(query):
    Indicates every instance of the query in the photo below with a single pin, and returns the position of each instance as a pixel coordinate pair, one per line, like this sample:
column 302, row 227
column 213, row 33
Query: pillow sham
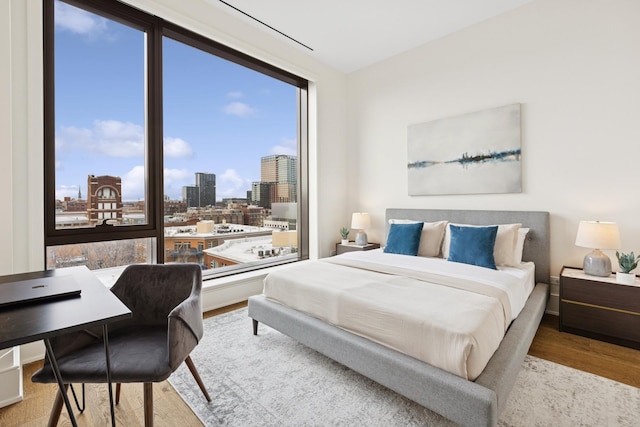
column 404, row 239
column 431, row 238
column 517, row 253
column 504, row 249
column 473, row 245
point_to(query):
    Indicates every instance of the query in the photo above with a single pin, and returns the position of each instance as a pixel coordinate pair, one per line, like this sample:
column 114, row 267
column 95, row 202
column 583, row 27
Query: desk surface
column 32, row 322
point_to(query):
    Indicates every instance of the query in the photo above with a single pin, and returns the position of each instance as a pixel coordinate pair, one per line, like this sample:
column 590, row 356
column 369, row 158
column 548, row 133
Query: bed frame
column 469, row 403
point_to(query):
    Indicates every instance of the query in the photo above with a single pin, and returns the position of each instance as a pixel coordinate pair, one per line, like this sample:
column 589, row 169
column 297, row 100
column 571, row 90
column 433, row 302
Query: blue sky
column 218, row 116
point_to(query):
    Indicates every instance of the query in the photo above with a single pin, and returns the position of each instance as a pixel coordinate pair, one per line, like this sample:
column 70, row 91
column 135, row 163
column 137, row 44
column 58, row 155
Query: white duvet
column 450, row 315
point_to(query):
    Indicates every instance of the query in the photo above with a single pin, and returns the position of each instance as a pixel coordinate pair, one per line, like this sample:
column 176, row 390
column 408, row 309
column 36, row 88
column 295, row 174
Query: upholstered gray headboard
column 536, row 247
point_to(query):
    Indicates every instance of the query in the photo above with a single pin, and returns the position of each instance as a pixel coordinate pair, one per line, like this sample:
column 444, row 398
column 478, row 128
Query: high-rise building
column 261, row 194
column 278, row 181
column 202, row 194
column 206, row 183
column 278, row 168
column 191, row 196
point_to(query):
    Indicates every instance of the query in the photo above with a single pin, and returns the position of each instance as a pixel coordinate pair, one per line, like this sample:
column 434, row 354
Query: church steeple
column 79, row 193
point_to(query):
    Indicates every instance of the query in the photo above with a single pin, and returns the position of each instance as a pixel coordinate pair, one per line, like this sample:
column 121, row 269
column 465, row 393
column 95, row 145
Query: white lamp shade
column 598, row 235
column 360, row 221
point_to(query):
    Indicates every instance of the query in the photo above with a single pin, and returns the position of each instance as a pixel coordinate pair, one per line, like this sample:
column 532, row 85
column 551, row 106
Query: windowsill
column 108, row 276
column 241, row 277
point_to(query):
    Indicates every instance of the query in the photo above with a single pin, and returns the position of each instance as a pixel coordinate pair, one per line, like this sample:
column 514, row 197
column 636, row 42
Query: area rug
column 272, row 380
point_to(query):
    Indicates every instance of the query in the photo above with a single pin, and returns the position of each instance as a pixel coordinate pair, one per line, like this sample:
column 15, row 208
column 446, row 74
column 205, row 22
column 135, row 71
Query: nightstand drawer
column 601, row 321
column 609, row 295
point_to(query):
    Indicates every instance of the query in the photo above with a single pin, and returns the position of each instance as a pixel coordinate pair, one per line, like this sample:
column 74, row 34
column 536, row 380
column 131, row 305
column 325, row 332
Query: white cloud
column 119, row 139
column 173, row 175
column 231, row 184
column 107, row 137
column 79, row 21
column 231, row 176
column 174, row 180
column 287, row 146
column 176, row 147
column 133, row 184
column 239, row 109
column 114, row 138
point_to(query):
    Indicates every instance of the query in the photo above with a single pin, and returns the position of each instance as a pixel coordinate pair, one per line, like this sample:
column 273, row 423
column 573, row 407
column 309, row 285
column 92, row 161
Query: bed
column 477, row 402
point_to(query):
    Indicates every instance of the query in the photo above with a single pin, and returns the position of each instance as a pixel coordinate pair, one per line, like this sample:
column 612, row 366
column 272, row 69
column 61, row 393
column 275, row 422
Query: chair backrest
column 152, row 291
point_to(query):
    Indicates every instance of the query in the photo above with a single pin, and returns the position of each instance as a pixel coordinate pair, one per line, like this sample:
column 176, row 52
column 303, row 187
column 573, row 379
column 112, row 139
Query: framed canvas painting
column 474, row 153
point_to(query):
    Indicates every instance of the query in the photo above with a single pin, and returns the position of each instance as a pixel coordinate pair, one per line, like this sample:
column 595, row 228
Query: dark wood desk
column 95, row 306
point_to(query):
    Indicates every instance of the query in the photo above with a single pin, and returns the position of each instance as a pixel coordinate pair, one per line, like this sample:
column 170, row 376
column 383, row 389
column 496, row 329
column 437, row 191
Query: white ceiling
column 352, row 34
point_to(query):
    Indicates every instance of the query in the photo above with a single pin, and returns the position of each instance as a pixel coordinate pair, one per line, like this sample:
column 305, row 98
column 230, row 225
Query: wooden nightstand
column 600, row 307
column 340, row 248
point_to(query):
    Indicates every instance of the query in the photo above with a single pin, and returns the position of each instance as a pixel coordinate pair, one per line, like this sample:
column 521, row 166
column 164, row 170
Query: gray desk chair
column 165, row 327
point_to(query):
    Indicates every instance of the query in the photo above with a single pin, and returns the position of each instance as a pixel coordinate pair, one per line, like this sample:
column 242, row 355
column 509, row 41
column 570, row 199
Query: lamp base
column 361, row 238
column 597, row 263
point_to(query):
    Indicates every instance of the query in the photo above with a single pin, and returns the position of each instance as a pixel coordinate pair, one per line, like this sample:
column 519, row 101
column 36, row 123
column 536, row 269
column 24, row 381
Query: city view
column 229, row 141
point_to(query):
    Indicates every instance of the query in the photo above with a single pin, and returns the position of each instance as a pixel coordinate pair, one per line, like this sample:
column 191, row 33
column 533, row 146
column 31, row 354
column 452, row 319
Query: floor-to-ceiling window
column 164, row 146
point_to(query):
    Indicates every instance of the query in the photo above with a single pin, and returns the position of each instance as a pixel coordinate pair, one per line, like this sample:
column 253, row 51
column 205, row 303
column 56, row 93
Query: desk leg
column 61, row 388
column 105, row 339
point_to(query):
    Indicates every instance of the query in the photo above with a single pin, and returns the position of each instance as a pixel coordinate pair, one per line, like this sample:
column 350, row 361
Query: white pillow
column 517, row 253
column 431, row 237
column 504, row 248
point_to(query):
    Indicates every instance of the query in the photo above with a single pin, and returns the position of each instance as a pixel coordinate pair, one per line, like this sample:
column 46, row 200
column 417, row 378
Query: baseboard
column 31, row 352
column 553, row 305
column 10, row 377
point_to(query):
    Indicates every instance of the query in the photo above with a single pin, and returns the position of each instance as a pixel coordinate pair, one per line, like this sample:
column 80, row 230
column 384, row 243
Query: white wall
column 574, row 65
column 21, row 132
column 21, row 160
column 5, row 133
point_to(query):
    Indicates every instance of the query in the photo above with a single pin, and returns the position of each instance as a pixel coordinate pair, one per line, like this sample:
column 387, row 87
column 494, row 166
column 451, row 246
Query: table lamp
column 360, row 221
column 597, row 235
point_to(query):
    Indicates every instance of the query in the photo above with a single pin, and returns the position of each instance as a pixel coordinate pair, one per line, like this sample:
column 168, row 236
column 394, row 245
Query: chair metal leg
column 195, row 374
column 148, row 404
column 75, row 398
column 118, row 386
column 56, row 410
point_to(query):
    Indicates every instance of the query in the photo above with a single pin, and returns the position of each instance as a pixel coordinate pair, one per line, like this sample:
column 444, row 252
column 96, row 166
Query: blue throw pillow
column 473, row 245
column 404, row 239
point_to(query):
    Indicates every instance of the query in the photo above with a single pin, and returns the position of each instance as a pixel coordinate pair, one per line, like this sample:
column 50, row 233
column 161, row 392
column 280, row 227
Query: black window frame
column 156, row 28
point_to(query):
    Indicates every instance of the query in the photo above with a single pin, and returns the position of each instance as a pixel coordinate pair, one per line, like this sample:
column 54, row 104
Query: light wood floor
column 608, row 360
column 611, row 361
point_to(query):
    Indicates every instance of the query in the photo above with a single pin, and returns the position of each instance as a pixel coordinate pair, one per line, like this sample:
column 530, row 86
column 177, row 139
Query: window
column 159, row 136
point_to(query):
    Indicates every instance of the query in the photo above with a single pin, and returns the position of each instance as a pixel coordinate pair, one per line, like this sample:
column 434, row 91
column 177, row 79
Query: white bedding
column 424, row 309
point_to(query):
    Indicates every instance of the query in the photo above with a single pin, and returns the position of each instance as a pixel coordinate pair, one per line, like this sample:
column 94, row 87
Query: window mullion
column 155, row 135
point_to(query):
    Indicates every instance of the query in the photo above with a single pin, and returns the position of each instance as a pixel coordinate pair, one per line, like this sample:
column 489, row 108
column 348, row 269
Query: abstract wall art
column 474, row 153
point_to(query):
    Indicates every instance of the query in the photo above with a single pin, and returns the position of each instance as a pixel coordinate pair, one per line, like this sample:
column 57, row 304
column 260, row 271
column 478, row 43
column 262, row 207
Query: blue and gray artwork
column 474, row 153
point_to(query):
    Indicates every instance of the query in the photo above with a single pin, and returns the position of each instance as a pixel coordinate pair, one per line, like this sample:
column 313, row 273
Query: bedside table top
column 352, row 244
column 578, row 273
